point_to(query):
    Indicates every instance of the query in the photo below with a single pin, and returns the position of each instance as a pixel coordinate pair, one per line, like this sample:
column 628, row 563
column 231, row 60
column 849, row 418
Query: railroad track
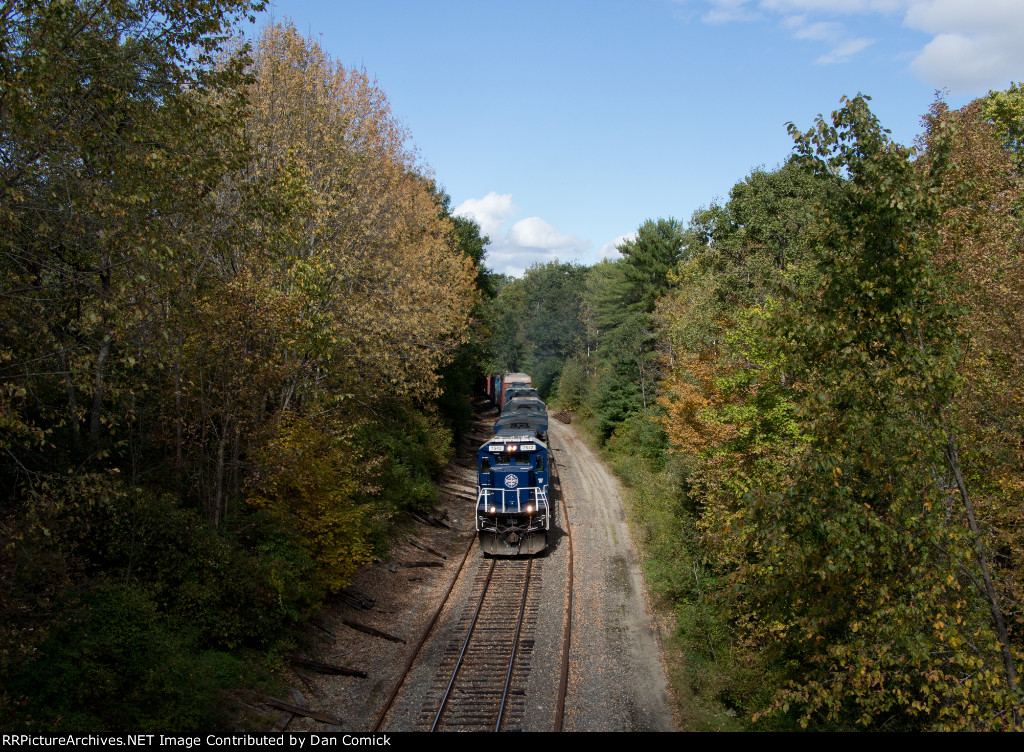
column 487, row 674
column 482, row 679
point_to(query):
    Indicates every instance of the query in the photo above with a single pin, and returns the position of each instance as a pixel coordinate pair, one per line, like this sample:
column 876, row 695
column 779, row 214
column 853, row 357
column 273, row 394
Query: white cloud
column 844, row 52
column 835, row 6
column 530, row 240
column 827, row 31
column 610, row 250
column 726, row 11
column 976, row 45
column 726, row 15
column 534, row 232
column 977, row 16
column 490, row 212
column 746, row 10
column 803, row 25
column 966, row 64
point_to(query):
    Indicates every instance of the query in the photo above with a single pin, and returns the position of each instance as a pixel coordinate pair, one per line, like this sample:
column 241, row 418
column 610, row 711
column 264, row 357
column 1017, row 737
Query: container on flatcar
column 513, row 513
column 509, row 381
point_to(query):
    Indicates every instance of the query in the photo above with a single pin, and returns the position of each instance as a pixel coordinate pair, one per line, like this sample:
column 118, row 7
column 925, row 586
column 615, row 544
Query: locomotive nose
column 518, row 479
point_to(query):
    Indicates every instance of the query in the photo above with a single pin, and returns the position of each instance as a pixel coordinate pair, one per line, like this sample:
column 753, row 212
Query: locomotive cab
column 513, row 513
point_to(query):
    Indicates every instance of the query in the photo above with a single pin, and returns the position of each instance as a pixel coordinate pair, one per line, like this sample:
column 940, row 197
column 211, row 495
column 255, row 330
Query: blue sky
column 561, row 126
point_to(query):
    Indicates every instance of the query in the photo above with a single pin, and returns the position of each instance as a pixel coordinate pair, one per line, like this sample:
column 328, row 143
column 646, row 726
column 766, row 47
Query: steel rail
column 461, row 660
column 465, row 644
column 423, row 638
column 515, row 644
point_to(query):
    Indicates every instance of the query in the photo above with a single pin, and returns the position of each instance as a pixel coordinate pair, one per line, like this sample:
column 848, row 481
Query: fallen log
column 429, row 519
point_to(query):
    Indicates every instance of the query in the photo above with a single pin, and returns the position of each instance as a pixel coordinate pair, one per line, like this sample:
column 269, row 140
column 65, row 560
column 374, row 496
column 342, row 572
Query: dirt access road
column 617, row 677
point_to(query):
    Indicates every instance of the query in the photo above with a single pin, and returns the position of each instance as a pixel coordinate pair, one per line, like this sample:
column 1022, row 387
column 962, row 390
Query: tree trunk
column 179, row 462
column 218, row 487
column 76, row 429
column 98, row 386
column 988, row 589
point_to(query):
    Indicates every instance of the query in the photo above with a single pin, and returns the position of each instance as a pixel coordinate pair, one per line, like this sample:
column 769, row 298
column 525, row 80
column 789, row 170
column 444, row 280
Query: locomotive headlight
column 494, row 509
column 529, row 508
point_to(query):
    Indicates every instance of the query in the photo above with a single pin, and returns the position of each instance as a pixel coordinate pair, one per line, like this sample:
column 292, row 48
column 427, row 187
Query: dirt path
column 617, row 680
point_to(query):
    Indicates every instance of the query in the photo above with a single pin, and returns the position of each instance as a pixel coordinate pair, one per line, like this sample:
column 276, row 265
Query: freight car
column 500, row 384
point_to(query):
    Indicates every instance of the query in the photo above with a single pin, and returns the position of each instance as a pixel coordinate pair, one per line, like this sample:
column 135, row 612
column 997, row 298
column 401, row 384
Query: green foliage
column 844, row 554
column 115, row 664
column 149, row 597
column 745, row 247
column 313, row 480
column 466, row 369
column 648, row 258
column 640, row 435
column 200, row 259
column 504, row 315
column 818, row 340
column 573, row 385
column 413, row 449
column 805, row 360
column 1005, row 110
column 535, row 322
column 712, row 679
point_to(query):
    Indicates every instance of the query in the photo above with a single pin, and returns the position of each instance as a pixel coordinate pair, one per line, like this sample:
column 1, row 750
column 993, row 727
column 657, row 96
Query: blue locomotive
column 513, row 509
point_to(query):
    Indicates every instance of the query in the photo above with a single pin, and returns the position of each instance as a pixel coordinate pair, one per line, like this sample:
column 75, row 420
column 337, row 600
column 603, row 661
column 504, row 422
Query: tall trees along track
column 558, row 641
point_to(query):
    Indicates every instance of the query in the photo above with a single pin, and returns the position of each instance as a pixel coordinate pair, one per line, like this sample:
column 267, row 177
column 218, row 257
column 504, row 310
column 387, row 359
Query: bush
column 639, row 435
column 574, row 385
column 413, row 449
column 115, row 666
column 222, row 593
column 314, row 481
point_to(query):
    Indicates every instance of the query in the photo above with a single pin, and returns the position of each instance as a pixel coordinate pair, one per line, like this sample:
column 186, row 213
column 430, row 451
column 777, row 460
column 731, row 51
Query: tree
column 980, row 248
column 1005, row 110
column 467, row 367
column 113, row 137
column 535, row 321
column 880, row 565
column 657, row 248
column 118, row 124
column 390, row 294
column 823, row 407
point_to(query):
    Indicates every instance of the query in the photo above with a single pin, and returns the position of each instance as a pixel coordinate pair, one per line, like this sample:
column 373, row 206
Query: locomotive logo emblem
column 511, row 481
